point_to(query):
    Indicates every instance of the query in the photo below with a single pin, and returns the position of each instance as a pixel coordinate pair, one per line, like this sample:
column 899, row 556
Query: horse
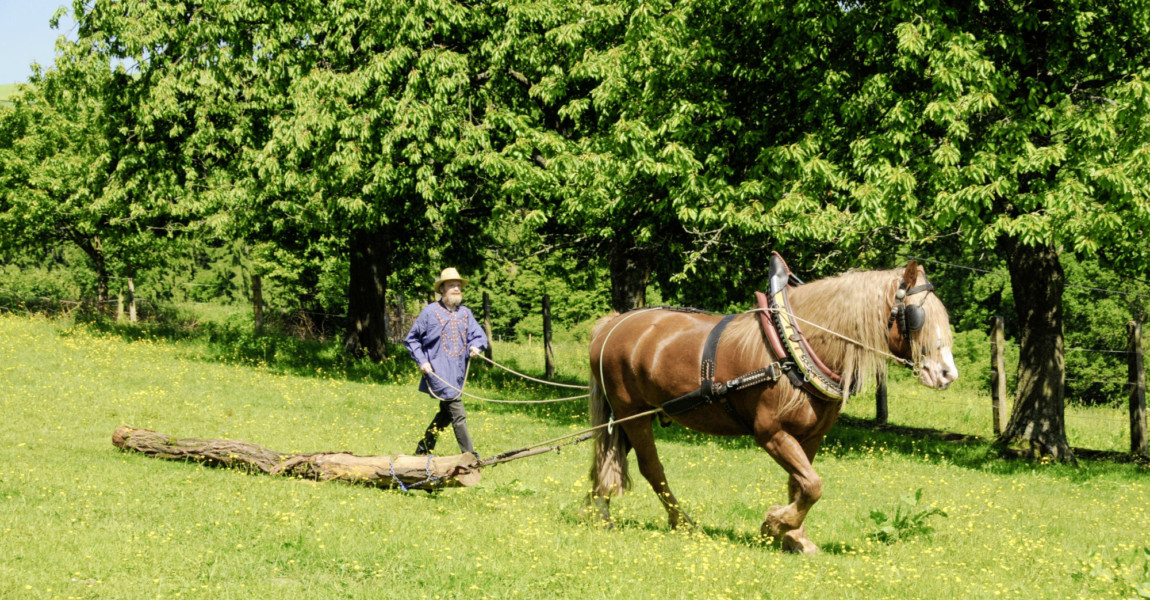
column 644, row 358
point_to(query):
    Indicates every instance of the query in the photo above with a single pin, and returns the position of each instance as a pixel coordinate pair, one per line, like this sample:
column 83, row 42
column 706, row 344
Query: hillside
column 6, row 91
column 124, row 525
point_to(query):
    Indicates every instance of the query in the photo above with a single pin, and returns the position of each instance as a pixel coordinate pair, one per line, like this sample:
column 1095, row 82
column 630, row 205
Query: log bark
column 384, row 471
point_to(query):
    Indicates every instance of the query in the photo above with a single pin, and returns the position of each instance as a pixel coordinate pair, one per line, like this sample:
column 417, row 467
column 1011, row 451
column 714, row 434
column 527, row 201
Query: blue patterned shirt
column 443, row 337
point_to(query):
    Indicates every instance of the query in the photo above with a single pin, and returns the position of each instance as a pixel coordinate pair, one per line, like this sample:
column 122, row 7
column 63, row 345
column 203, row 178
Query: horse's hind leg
column 643, row 441
column 785, row 523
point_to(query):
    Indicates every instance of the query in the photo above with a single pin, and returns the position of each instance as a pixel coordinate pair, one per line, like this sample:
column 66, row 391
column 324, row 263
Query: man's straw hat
column 448, row 274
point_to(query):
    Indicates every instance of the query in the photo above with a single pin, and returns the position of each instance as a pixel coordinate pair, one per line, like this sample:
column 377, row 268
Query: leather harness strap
column 794, row 356
column 711, row 391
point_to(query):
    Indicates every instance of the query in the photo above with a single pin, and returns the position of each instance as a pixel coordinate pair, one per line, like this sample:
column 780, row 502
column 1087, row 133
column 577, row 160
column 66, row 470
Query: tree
column 616, row 121
column 1016, row 126
column 61, row 179
column 355, row 124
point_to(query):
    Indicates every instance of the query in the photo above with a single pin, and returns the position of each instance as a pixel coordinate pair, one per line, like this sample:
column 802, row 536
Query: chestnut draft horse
column 647, row 357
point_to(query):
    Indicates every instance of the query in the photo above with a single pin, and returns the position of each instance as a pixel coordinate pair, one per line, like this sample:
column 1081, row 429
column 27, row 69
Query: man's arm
column 476, row 338
column 414, row 343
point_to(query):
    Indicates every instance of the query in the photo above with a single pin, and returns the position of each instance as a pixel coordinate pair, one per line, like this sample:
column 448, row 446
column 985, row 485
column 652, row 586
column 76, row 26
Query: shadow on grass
column 854, row 437
column 747, row 538
column 851, row 437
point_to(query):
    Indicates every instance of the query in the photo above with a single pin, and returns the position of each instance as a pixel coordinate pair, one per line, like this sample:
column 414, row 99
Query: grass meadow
column 80, row 519
column 6, row 91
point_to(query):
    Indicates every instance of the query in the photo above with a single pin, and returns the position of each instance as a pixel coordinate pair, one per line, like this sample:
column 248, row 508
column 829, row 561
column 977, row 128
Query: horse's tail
column 609, row 475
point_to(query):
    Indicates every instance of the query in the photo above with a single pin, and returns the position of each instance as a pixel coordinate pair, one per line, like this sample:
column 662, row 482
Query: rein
column 706, row 394
column 903, row 361
column 467, row 371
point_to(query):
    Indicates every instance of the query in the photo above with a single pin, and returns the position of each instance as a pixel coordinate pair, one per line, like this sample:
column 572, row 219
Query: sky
column 25, row 36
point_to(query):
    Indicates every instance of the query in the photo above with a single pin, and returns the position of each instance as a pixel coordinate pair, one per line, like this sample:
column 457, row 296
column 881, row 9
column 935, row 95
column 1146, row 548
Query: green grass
column 7, row 90
column 79, row 519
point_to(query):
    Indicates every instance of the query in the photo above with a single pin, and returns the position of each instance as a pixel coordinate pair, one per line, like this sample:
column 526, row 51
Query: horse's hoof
column 773, row 525
column 595, row 517
column 682, row 522
column 596, row 511
column 799, row 544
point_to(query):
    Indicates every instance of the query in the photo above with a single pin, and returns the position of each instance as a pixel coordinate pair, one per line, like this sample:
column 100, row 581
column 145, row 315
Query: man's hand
column 425, row 368
column 475, row 351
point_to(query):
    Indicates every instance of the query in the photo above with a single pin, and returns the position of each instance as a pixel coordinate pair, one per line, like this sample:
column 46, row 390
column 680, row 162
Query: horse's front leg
column 785, row 523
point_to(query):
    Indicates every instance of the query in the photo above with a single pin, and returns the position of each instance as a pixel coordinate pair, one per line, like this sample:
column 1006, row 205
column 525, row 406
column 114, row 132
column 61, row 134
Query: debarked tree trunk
column 385, row 471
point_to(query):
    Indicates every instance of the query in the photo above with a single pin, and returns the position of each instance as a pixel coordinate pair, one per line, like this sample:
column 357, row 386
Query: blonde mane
column 856, row 305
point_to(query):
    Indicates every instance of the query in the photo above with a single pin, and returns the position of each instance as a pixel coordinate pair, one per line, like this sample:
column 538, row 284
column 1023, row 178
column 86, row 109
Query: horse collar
column 785, row 337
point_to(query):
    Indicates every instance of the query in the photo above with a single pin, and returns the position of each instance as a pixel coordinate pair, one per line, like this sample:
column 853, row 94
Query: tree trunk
column 385, row 471
column 95, row 251
column 1038, row 418
column 630, row 269
column 131, row 300
column 258, row 301
column 367, row 294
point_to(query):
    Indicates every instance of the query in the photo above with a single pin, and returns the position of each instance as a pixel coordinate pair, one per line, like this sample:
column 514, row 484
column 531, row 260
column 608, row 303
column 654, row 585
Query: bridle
column 909, row 317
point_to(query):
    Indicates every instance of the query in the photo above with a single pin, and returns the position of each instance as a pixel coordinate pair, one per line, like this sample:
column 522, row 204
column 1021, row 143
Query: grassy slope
column 79, row 519
column 6, row 91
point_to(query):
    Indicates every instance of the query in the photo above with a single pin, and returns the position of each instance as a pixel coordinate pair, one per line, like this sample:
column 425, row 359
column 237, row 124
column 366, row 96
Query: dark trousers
column 451, row 412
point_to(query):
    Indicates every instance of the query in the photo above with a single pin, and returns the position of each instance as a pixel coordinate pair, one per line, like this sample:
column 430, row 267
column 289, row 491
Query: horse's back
column 651, row 354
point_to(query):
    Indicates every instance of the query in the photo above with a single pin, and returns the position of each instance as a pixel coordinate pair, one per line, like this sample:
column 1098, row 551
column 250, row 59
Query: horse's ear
column 910, row 275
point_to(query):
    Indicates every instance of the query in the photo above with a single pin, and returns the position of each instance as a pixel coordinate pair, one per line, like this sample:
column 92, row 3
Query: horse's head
column 918, row 329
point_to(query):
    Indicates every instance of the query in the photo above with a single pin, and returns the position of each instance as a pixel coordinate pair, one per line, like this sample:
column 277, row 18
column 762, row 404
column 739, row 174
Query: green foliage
column 579, row 293
column 550, row 145
column 1096, row 336
column 7, row 90
column 30, row 275
column 908, row 520
column 64, row 178
column 1127, row 578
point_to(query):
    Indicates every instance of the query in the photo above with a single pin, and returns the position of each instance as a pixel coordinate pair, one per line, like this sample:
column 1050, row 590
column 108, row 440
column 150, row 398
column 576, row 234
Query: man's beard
column 453, row 299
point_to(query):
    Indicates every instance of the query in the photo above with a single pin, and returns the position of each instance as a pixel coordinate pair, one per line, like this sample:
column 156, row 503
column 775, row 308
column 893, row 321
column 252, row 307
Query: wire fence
column 1073, row 414
column 1098, row 418
column 1007, row 275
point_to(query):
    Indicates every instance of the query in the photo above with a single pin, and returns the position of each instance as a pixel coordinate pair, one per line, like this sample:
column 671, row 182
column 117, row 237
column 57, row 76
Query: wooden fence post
column 1137, row 381
column 131, row 300
column 258, row 301
column 998, row 375
column 880, row 406
column 548, row 355
column 487, row 324
column 120, row 305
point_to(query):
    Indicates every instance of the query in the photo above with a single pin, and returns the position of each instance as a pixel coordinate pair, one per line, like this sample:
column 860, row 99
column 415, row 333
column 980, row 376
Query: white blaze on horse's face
column 941, row 372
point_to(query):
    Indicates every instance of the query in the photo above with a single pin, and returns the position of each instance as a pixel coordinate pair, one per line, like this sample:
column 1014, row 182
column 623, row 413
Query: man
column 443, row 338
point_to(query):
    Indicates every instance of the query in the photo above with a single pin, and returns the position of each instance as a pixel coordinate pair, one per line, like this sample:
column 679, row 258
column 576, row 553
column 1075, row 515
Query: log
column 383, row 471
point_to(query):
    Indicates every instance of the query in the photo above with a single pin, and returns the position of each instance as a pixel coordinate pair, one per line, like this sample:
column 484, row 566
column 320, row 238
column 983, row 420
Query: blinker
column 909, row 318
column 915, row 317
